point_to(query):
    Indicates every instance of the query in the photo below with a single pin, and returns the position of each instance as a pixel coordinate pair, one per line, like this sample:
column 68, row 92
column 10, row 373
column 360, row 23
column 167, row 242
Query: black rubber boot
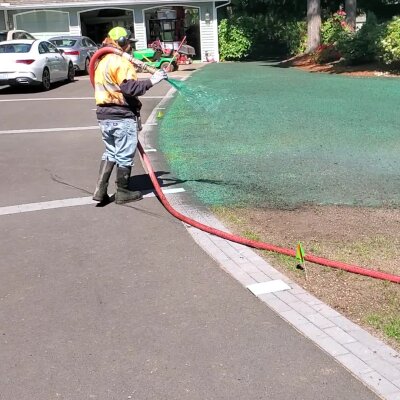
column 100, row 193
column 123, row 194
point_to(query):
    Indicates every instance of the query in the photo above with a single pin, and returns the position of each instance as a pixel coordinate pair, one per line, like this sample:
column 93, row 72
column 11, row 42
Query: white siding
column 140, row 28
column 208, row 31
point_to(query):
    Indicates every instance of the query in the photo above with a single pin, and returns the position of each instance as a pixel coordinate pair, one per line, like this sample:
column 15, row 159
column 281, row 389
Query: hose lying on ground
column 225, row 235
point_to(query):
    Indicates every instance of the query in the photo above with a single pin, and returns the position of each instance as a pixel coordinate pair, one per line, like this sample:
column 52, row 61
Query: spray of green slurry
column 197, row 96
column 260, row 135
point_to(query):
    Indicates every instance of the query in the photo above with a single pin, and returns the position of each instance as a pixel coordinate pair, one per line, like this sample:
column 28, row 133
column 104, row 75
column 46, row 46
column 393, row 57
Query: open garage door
column 96, row 23
column 171, row 24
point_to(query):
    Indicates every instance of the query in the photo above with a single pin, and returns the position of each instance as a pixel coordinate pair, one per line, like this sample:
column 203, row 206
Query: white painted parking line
column 46, row 205
column 65, row 98
column 166, row 191
column 41, row 130
column 150, row 150
column 73, row 128
column 79, row 201
column 45, row 99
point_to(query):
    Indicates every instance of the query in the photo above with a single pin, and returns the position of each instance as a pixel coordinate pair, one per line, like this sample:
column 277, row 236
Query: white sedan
column 33, row 62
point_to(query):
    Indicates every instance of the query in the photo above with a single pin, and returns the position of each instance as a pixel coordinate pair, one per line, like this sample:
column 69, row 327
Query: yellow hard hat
column 117, row 33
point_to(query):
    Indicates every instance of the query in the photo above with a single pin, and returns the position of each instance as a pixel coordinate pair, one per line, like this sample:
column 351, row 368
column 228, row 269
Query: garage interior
column 170, row 25
column 96, row 23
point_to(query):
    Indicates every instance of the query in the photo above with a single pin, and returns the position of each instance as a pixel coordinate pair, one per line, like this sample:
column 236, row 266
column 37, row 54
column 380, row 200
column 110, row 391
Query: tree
column 314, row 24
column 351, row 11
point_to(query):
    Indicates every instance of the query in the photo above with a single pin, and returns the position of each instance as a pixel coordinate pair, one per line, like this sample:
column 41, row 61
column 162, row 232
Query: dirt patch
column 307, row 63
column 363, row 236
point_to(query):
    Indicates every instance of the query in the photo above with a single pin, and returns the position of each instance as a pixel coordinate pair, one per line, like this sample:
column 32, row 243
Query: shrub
column 295, row 37
column 335, row 28
column 363, row 45
column 236, row 37
column 390, row 43
column 260, row 37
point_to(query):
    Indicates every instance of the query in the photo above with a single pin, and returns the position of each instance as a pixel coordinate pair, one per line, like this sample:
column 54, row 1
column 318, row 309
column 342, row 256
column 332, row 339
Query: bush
column 335, row 28
column 236, row 36
column 260, row 37
column 362, row 46
column 390, row 43
column 295, row 37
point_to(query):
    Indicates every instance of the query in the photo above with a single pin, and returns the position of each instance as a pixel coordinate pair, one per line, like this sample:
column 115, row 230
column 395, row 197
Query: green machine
column 155, row 57
column 158, row 57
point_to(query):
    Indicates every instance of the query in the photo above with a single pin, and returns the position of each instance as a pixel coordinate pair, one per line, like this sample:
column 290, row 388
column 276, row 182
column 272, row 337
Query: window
column 22, row 35
column 15, row 48
column 18, row 35
column 43, row 48
column 63, row 42
column 43, row 21
column 52, row 49
column 88, row 43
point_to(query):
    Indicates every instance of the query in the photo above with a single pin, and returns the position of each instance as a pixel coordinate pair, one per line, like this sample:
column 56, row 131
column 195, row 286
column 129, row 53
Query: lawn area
column 249, row 133
column 285, row 155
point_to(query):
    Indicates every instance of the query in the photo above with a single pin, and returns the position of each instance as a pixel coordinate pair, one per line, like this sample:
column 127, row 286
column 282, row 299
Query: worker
column 118, row 109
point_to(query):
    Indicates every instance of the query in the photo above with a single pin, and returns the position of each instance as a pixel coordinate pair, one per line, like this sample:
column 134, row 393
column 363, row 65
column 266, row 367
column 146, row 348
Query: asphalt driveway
column 119, row 302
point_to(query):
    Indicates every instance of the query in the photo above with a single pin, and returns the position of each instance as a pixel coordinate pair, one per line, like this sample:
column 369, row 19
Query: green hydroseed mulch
column 260, row 135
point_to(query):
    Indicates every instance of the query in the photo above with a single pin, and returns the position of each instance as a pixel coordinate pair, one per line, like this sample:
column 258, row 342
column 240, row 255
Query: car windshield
column 63, row 42
column 15, row 48
column 3, row 36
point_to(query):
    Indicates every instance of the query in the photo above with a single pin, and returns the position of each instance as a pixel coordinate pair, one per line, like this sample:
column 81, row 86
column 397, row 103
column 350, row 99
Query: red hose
column 98, row 54
column 234, row 238
column 112, row 50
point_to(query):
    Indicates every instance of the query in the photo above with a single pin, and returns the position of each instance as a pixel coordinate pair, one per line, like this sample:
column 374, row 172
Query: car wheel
column 46, row 79
column 71, row 73
column 87, row 63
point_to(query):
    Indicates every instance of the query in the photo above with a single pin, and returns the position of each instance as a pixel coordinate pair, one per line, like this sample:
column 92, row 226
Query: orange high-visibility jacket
column 116, row 88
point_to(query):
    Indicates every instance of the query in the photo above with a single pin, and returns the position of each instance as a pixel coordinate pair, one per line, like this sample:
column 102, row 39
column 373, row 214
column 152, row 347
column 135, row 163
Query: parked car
column 79, row 48
column 14, row 35
column 33, row 62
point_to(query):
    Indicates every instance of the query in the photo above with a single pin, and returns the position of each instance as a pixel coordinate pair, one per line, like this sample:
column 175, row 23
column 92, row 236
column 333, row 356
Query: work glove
column 158, row 76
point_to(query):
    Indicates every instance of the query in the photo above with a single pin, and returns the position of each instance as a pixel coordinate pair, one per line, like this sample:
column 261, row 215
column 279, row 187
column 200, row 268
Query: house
column 148, row 20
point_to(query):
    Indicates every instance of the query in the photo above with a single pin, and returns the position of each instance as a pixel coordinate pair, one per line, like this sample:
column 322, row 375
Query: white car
column 15, row 34
column 33, row 62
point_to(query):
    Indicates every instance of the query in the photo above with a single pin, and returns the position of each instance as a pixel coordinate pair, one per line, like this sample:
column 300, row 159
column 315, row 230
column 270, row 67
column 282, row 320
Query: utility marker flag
column 300, row 253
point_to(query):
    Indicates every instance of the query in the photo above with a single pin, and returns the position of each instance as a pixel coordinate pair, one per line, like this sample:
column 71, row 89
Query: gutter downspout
column 6, row 20
column 215, row 18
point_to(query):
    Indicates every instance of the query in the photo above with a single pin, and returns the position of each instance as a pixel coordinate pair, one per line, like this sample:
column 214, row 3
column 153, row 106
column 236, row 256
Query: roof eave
column 8, row 6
